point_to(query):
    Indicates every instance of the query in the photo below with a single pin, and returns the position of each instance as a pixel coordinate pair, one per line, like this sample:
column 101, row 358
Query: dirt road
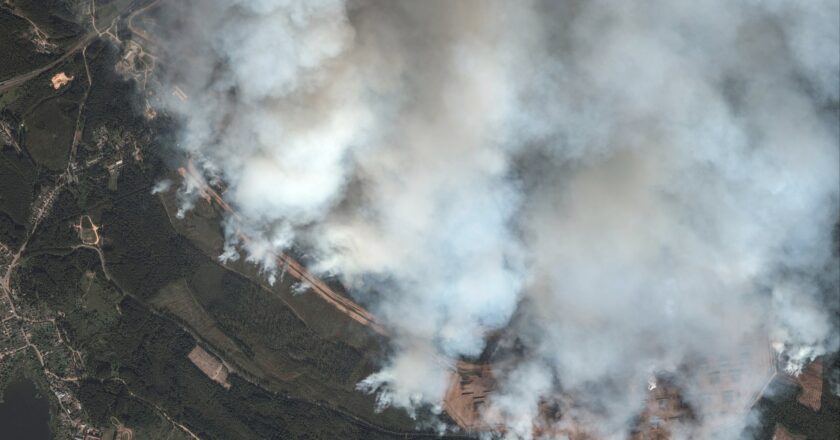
column 292, row 266
column 81, row 44
column 22, row 78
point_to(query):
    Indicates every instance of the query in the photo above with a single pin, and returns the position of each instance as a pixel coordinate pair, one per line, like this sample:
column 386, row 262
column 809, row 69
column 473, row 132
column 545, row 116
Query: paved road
column 81, row 44
column 22, row 78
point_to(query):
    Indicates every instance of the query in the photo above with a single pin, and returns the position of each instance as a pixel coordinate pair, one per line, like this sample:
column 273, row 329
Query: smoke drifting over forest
column 620, row 186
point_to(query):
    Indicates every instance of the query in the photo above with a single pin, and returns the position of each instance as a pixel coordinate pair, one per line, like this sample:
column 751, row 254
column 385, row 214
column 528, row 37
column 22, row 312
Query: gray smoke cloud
column 620, row 186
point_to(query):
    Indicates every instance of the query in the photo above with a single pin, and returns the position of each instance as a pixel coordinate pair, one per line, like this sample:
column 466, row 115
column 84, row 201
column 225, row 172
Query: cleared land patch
column 177, row 299
column 209, row 365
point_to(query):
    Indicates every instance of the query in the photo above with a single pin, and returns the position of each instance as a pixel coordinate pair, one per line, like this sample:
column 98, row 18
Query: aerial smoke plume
column 621, row 186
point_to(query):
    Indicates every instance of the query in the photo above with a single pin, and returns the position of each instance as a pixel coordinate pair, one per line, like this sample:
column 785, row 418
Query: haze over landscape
column 405, row 219
column 616, row 187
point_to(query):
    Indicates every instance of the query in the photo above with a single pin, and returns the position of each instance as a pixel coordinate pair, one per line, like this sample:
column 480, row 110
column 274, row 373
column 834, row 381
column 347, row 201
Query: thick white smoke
column 619, row 185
